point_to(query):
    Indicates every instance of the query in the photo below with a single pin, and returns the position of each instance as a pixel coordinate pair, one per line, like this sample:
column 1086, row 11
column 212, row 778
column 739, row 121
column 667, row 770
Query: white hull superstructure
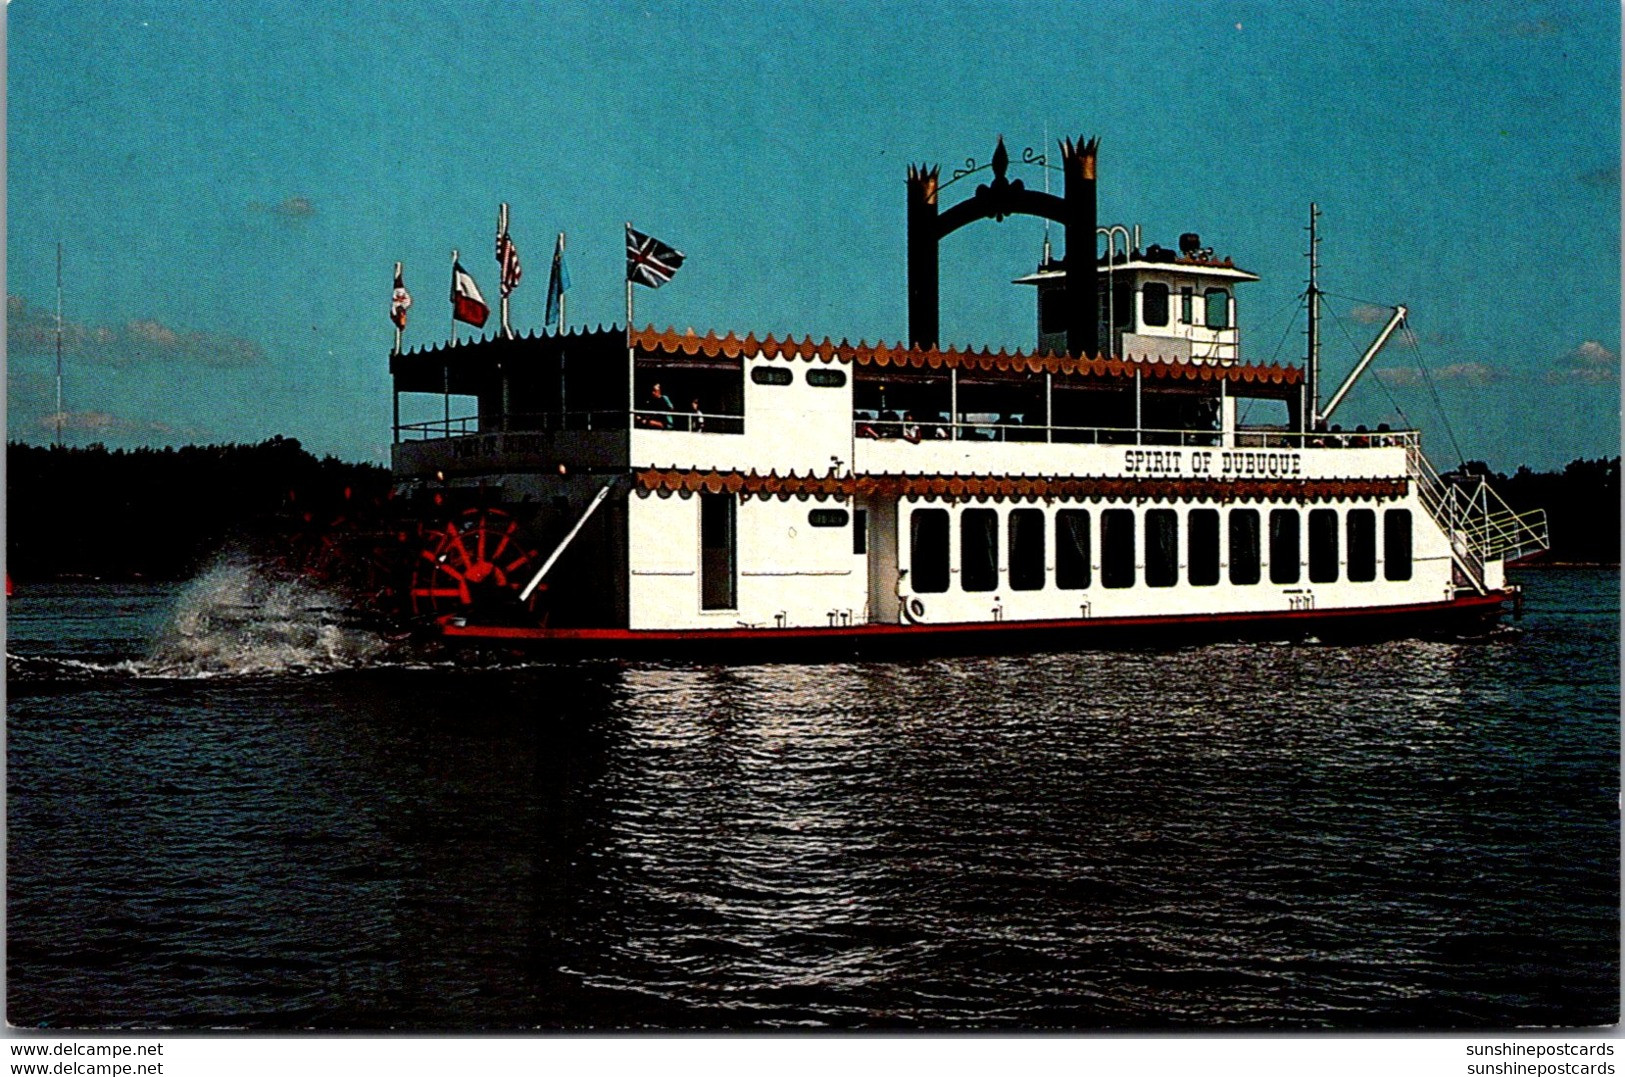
column 689, row 490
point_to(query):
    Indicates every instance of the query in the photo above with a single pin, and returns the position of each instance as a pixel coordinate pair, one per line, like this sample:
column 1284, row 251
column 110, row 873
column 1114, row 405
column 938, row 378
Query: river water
column 225, row 811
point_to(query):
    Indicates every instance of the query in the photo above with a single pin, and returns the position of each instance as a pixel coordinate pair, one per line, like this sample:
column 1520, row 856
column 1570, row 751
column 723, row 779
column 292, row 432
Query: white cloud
column 32, row 331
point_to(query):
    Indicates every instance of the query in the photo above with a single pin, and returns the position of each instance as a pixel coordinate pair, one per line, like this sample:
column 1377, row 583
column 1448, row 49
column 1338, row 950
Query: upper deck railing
column 867, row 426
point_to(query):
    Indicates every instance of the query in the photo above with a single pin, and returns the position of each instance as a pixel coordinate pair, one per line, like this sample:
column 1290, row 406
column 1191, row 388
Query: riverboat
column 1133, row 478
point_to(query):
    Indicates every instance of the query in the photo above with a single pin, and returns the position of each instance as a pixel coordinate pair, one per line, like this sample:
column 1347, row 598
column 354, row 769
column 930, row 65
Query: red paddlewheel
column 477, row 559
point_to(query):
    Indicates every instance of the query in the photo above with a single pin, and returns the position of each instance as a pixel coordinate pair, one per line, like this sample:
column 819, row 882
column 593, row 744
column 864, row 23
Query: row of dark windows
column 1348, row 551
column 781, row 375
column 1155, row 307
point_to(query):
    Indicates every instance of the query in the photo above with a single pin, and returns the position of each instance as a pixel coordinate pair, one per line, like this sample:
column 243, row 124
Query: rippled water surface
column 225, row 808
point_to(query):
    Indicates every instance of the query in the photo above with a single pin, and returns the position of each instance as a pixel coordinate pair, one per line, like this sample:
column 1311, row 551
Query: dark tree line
column 163, row 513
column 1581, row 502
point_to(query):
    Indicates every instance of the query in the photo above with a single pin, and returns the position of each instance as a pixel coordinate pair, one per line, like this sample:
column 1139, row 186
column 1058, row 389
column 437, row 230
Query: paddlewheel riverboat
column 627, row 491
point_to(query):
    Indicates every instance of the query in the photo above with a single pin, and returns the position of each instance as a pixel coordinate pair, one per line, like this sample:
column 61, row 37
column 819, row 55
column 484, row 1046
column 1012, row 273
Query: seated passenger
column 696, row 417
column 911, row 429
column 888, row 424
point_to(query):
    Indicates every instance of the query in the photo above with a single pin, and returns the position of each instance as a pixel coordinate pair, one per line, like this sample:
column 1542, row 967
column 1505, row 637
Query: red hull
column 1461, row 616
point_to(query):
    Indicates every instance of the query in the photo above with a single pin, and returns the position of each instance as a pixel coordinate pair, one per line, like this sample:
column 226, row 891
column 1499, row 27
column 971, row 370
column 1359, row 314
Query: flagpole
column 631, row 361
column 502, row 274
column 445, row 362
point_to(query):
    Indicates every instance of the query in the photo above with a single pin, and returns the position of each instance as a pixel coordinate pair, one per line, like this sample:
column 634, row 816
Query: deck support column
column 1049, row 409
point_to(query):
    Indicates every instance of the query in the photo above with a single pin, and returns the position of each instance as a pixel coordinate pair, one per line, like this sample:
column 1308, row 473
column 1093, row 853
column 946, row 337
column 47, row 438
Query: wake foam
column 239, row 619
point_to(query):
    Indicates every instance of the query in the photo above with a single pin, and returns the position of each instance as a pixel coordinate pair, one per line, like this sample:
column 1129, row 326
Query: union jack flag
column 650, row 262
column 508, row 259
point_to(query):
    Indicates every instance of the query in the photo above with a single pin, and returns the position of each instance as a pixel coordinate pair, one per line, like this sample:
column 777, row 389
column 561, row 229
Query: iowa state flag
column 467, row 304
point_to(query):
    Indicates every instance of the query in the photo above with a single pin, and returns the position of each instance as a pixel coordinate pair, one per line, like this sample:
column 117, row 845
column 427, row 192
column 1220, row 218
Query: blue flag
column 558, row 282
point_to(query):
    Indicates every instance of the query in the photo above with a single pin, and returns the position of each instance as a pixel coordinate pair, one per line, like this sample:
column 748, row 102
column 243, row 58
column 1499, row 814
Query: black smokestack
column 1082, row 273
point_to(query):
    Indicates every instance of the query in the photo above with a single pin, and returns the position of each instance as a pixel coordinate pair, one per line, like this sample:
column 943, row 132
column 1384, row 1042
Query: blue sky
column 233, row 185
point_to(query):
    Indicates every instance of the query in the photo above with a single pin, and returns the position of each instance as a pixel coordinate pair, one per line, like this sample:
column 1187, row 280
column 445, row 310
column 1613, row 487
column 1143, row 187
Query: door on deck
column 879, row 516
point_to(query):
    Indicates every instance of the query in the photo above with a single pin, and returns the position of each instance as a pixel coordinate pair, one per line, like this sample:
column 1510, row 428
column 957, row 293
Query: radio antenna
column 58, row 415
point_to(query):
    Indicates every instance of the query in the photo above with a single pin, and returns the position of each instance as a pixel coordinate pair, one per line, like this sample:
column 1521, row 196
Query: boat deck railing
column 1481, row 525
column 898, row 429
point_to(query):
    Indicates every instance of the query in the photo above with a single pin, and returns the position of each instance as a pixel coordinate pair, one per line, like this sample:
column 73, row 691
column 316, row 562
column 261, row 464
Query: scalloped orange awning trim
column 1018, row 488
column 672, row 342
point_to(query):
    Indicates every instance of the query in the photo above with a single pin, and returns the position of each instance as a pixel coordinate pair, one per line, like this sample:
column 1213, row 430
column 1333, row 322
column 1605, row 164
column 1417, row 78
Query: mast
column 1312, row 419
column 58, row 344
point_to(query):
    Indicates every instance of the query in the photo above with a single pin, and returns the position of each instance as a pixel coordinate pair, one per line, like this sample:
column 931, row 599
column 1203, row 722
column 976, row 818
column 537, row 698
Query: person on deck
column 696, row 418
column 659, row 411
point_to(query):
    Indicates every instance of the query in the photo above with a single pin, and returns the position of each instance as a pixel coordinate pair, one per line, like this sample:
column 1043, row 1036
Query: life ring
column 914, row 610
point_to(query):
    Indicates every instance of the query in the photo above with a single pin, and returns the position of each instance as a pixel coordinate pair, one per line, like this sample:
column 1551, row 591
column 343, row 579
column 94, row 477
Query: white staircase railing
column 1480, row 524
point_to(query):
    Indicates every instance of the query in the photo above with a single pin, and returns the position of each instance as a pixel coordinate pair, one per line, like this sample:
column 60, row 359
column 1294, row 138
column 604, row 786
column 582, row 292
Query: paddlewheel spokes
column 477, row 560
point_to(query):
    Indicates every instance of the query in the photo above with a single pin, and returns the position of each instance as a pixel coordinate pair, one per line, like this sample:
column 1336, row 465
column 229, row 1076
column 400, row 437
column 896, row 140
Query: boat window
column 828, row 517
column 1027, row 549
column 978, row 550
column 1218, row 308
column 1362, row 538
column 928, row 551
column 1072, row 549
column 1161, row 548
column 1323, row 546
column 1187, row 314
column 1154, row 304
column 860, row 531
column 772, row 375
column 1244, row 559
column 1117, row 548
column 718, row 541
column 825, row 379
column 1284, row 566
column 1202, row 529
column 1396, row 544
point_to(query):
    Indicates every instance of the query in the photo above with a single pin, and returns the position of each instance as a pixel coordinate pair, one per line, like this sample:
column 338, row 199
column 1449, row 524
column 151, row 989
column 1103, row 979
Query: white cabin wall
column 896, row 456
column 789, row 567
column 798, row 428
column 663, row 554
column 786, row 570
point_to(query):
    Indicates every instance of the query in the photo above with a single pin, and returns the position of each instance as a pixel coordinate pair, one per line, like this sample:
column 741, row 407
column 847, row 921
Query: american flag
column 650, row 262
column 508, row 259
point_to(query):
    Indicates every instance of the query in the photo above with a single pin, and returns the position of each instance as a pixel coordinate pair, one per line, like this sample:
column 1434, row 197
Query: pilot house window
column 1155, row 304
column 1218, row 308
